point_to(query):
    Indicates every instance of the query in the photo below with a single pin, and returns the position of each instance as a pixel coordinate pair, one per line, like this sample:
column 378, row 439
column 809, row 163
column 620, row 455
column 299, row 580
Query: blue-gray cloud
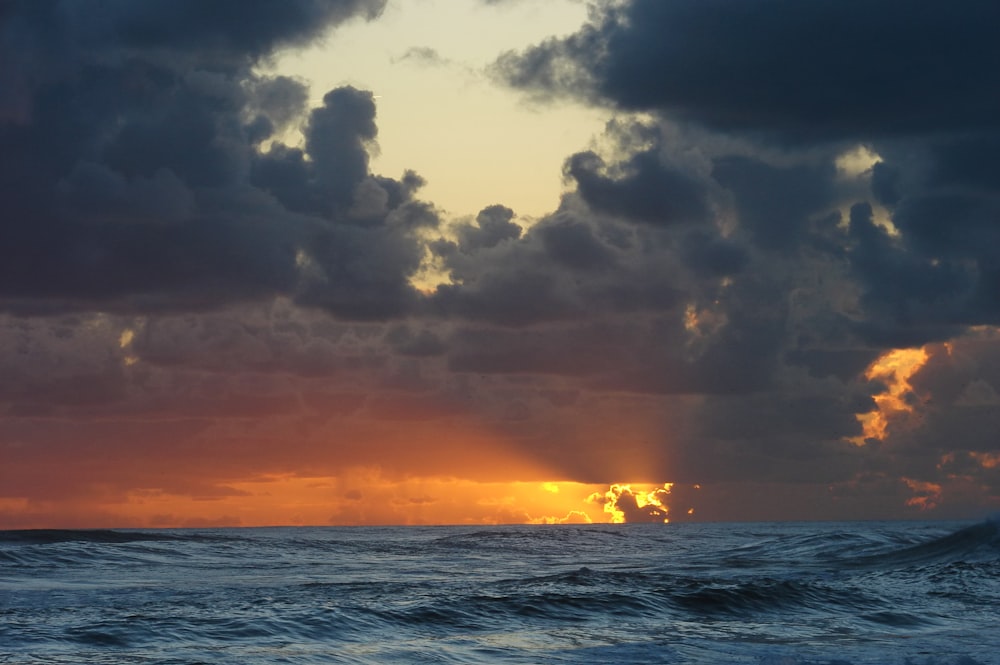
column 133, row 178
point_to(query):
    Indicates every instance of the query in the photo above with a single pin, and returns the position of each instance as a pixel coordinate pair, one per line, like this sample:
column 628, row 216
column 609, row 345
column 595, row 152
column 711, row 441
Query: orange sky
column 262, row 449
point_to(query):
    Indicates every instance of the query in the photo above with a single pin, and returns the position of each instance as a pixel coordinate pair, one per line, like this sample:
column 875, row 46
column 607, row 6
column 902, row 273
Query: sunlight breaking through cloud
column 894, row 369
column 626, row 504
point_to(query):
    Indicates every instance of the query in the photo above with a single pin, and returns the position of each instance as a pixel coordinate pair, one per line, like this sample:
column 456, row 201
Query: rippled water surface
column 774, row 594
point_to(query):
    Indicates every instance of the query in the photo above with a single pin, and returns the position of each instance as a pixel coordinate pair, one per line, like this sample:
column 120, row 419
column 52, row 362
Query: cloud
column 195, row 300
column 641, row 186
column 801, row 71
column 630, row 505
column 422, row 55
column 137, row 177
column 850, row 74
column 820, row 264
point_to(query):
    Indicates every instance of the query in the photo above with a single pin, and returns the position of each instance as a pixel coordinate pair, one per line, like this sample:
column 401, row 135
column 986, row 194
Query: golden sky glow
column 362, row 496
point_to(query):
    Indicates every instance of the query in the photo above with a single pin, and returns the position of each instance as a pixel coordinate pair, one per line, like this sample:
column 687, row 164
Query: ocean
column 913, row 593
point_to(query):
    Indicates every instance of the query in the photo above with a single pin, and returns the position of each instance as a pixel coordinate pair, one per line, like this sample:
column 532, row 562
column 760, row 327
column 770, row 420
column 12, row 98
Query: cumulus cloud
column 806, row 72
column 626, row 504
column 134, row 174
column 850, row 204
column 860, row 76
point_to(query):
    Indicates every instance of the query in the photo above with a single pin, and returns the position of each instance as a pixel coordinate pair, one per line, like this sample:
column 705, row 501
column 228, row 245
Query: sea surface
column 914, row 593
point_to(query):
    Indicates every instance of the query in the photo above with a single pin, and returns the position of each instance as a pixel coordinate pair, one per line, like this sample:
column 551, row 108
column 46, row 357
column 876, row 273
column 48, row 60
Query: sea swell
column 794, row 594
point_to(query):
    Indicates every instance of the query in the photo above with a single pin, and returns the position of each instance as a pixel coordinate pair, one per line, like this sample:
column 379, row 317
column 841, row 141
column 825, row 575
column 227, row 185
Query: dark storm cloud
column 574, row 246
column 517, row 298
column 237, row 28
column 635, row 236
column 132, row 177
column 800, row 83
column 362, row 272
column 710, row 255
column 335, row 138
column 639, row 182
column 775, row 203
column 909, row 298
column 277, row 103
column 944, row 203
column 493, row 226
column 570, row 265
column 921, row 243
column 958, row 390
column 796, row 431
column 647, row 314
column 560, row 350
column 645, row 189
column 804, row 70
column 692, row 319
column 329, row 176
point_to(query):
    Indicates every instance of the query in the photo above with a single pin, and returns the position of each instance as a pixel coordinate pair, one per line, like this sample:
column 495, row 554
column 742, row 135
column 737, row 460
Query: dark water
column 774, row 594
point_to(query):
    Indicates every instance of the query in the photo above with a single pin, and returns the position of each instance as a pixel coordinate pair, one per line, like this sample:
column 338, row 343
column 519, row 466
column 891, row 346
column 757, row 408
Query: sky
column 497, row 261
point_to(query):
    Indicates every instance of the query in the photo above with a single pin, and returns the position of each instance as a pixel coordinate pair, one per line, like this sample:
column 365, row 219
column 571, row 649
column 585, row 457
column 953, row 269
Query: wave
column 767, row 596
column 53, row 549
column 103, row 536
column 114, row 536
column 798, row 593
column 973, row 544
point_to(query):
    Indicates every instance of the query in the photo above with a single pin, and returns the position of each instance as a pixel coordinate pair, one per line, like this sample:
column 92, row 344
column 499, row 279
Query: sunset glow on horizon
column 363, row 497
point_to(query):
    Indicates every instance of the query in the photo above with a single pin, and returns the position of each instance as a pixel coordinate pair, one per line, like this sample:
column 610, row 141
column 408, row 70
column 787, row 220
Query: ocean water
column 773, row 594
